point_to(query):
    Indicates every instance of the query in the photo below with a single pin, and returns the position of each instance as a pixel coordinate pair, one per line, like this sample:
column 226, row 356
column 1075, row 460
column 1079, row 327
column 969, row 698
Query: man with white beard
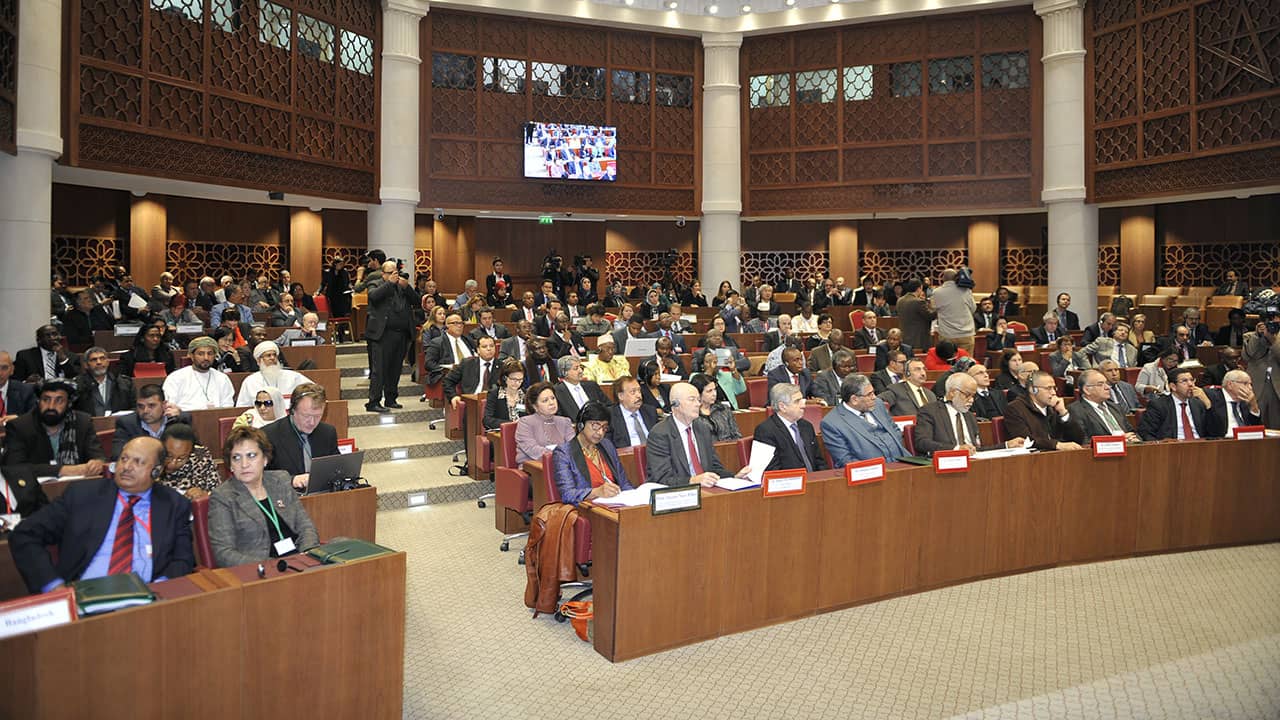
column 270, row 374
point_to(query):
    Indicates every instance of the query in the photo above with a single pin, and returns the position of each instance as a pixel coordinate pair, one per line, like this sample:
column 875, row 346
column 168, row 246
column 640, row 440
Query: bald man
column 681, row 451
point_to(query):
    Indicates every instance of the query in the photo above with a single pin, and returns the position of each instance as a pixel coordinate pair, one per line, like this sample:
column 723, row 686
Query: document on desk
column 1002, row 452
column 761, row 456
column 629, row 498
column 735, row 484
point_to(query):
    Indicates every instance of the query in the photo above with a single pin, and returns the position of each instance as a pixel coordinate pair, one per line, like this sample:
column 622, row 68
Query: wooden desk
column 325, row 356
column 743, row 562
column 473, row 425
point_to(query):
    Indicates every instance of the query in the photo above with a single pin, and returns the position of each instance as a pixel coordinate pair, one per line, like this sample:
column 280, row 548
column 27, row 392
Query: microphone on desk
column 284, row 565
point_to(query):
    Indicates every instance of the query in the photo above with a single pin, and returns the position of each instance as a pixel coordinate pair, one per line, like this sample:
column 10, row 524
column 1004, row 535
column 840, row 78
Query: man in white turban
column 270, row 374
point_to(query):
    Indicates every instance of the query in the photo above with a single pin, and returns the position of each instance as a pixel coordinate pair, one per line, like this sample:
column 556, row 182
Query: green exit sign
column 544, row 220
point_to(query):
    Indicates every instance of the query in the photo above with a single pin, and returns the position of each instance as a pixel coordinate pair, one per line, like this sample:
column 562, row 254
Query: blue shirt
column 142, row 550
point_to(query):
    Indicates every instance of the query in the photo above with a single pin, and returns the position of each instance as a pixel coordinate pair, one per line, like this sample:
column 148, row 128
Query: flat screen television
column 561, row 151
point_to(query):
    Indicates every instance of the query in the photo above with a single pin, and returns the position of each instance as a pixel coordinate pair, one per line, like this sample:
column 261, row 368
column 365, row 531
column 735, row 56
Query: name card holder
column 1024, row 347
column 861, row 472
column 1250, row 432
column 676, row 499
column 951, row 461
column 189, row 329
column 1109, row 446
column 781, row 483
column 904, row 421
column 37, row 612
column 127, row 329
column 303, row 342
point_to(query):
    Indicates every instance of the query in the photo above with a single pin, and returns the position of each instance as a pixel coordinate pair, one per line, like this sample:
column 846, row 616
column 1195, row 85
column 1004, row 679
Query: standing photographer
column 389, row 329
column 1262, row 353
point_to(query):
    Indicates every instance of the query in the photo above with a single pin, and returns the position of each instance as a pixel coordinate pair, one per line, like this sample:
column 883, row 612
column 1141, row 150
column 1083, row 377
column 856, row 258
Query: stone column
column 26, row 180
column 1073, row 224
column 391, row 222
column 720, row 245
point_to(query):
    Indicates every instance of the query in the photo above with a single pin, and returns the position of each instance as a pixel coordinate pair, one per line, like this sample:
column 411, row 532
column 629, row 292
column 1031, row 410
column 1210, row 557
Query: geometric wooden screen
column 1108, row 265
column 643, row 268
column 9, row 76
column 1024, row 266
column 918, row 114
column 771, row 265
column 273, row 94
column 192, row 260
column 422, row 263
column 79, row 259
column 1258, row 264
column 486, row 75
column 882, row 265
column 1185, row 96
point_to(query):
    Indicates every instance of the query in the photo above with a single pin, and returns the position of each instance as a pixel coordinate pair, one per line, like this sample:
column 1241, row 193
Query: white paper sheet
column 136, row 302
column 630, row 498
column 761, row 456
column 737, row 483
column 1002, row 452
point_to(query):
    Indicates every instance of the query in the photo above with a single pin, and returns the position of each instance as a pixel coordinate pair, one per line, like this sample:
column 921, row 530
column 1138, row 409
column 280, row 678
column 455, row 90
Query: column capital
column 1063, row 29
column 722, row 40
column 417, row 8
column 404, row 195
column 1048, row 7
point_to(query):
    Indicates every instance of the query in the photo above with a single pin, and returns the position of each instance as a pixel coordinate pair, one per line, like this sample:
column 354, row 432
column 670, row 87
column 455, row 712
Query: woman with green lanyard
column 255, row 514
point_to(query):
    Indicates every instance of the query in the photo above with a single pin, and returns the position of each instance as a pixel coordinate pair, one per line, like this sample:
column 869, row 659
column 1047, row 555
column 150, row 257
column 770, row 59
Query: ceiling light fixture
column 746, row 9
column 673, row 5
column 791, row 3
column 713, row 8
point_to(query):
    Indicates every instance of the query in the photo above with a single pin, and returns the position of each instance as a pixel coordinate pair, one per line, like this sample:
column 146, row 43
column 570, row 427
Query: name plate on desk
column 37, row 612
column 864, row 471
column 303, row 342
column 190, row 329
column 123, row 330
column 780, row 483
column 1249, row 432
column 904, row 421
column 951, row 461
column 1024, row 347
column 322, row 325
column 675, row 499
column 1109, row 446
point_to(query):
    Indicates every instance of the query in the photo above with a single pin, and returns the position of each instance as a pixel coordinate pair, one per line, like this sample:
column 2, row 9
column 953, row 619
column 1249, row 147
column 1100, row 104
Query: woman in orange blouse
column 587, row 467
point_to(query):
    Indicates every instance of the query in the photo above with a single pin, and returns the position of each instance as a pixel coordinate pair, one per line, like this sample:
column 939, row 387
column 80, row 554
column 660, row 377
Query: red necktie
column 122, row 547
column 693, row 451
column 795, row 380
column 484, row 376
column 2, row 413
column 1188, row 432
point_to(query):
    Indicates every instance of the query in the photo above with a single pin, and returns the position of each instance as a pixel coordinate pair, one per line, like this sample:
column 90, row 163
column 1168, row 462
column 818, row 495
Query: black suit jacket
column 440, row 352
column 491, row 280
column 29, row 362
column 882, row 354
column 500, row 333
column 935, row 431
column 1160, row 421
column 1223, row 336
column 20, row 399
column 1091, row 333
column 620, row 429
column 660, row 401
column 464, row 376
column 773, row 431
column 862, row 338
column 129, row 427
column 780, row 374
column 518, row 314
column 1216, row 419
column 880, row 380
column 288, row 448
column 1022, row 420
column 990, row 406
column 558, row 348
column 1068, row 320
column 78, row 328
column 26, row 442
column 77, row 523
column 569, row 407
column 120, row 398
column 382, row 316
column 1041, row 336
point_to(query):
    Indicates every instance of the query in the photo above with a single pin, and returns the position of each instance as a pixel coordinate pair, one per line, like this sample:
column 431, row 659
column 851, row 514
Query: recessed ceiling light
column 673, row 5
column 713, row 8
column 746, row 9
column 629, row 2
column 791, row 3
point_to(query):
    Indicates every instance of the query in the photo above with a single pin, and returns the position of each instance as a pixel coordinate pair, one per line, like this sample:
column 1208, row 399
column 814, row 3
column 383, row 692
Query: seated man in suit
column 892, row 341
column 860, row 428
column 1095, row 413
column 666, row 329
column 102, row 526
column 150, row 417
column 594, row 324
column 792, row 370
column 715, row 341
column 301, row 435
column 476, row 374
column 1232, row 334
column 1067, row 319
column 1042, row 417
column 1233, row 405
column 668, row 361
column 442, row 353
column 630, row 421
column 30, row 439
column 564, row 340
column 1049, row 332
column 488, row 327
column 1106, row 323
column 793, row 438
column 539, row 366
column 1123, row 395
column 869, row 334
column 950, row 425
column 634, row 329
column 517, row 346
column 822, row 355
column 544, row 325
column 826, row 384
column 1180, row 415
column 48, row 359
column 893, row 372
column 527, row 310
column 1200, row 333
column 985, row 318
column 680, row 450
column 989, row 402
column 87, row 316
column 908, row 396
column 16, row 397
column 305, row 335
column 775, row 338
column 573, row 391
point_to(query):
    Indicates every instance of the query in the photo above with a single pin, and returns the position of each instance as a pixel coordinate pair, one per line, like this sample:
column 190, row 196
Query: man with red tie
column 1180, row 415
column 680, row 450
column 108, row 527
column 793, row 371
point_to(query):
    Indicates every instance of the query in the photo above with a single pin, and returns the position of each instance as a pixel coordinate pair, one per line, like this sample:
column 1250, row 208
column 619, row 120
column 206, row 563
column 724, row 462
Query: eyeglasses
column 966, row 394
column 264, row 403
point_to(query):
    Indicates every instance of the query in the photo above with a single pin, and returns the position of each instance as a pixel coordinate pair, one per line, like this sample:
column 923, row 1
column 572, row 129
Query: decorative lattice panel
column 276, row 94
column 191, row 260
column 1108, row 265
column 77, row 259
column 893, row 116
column 485, row 76
column 643, row 268
column 422, row 263
column 1257, row 263
column 1186, row 96
column 1024, row 266
column 9, row 76
column 882, row 265
column 773, row 264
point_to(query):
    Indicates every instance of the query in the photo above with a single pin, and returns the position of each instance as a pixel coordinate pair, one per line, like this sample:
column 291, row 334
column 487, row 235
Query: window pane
column 273, row 25
column 630, row 87
column 191, row 10
column 770, row 90
column 905, row 79
column 1006, row 70
column 357, row 53
column 858, row 82
column 504, row 75
column 548, row 79
column 457, row 72
column 225, row 14
column 673, row 90
column 816, row 86
column 951, row 75
column 315, row 38
column 584, row 82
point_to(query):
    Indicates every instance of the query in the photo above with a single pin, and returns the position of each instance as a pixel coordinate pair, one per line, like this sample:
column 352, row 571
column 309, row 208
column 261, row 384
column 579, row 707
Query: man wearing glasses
column 1042, row 416
column 389, row 328
column 859, row 428
column 950, row 425
column 1096, row 414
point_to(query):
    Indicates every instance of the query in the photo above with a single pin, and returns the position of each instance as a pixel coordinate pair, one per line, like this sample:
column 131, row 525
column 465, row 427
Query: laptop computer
column 326, row 469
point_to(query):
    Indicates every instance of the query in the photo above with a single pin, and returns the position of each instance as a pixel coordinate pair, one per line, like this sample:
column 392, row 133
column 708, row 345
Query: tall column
column 26, row 180
column 391, row 222
column 148, row 233
column 1073, row 224
column 720, row 247
column 306, row 246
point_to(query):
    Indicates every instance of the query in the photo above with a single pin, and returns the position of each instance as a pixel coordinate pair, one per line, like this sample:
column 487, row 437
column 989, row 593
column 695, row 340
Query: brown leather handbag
column 548, row 556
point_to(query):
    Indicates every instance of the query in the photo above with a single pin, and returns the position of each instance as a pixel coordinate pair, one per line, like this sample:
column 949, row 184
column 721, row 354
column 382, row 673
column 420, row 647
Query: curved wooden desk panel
column 743, row 562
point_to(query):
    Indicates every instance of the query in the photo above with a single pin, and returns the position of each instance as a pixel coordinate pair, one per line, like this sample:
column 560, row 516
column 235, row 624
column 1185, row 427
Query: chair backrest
column 105, row 439
column 148, row 370
column 1226, row 301
column 814, row 414
column 549, row 475
column 1018, row 327
column 758, row 391
column 866, row 363
column 1168, row 290
column 855, row 319
column 909, row 438
column 642, row 457
column 200, row 532
column 507, row 456
column 997, row 430
column 744, row 451
column 322, row 303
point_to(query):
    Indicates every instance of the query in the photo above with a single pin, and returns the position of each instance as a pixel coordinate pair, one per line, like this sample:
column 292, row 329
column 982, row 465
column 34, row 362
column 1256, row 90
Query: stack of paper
column 735, row 484
column 630, row 498
column 1002, row 452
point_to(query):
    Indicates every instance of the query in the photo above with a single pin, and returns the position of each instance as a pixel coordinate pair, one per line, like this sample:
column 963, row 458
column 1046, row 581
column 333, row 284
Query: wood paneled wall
column 913, row 233
column 90, row 212
column 796, row 235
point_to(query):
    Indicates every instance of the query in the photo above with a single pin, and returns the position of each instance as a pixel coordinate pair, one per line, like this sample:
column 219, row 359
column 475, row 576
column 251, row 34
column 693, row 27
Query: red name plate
column 37, row 612
column 780, row 483
column 951, row 461
column 1109, row 446
column 864, row 471
column 1250, row 432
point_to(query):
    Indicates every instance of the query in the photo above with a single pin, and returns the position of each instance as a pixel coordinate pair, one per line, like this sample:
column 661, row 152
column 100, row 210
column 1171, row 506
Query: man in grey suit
column 826, row 384
column 1095, row 414
column 680, row 450
column 516, row 346
column 1123, row 394
column 859, row 428
column 908, row 396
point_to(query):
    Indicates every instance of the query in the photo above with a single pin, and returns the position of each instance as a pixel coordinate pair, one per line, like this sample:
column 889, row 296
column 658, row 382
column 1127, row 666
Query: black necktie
column 1239, row 413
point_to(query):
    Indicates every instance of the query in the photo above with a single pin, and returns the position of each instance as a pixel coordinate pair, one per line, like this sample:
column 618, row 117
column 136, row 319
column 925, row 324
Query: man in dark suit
column 447, row 350
column 517, row 346
column 16, row 397
column 792, row 370
column 634, row 329
column 863, row 295
column 1106, row 323
column 99, row 524
column 87, row 316
column 565, row 340
column 892, row 341
column 1233, row 405
column 1228, row 360
column 1232, row 334
column 1049, row 332
column 1180, row 415
column 389, row 329
column 1067, row 319
column 301, row 436
column 491, row 280
column 539, row 366
column 826, row 384
column 630, row 421
column 48, row 359
column 666, row 329
column 893, row 372
column 870, row 333
column 151, row 415
column 100, row 391
column 490, row 328
column 28, row 438
column 779, row 336
column 543, row 299
column 989, row 402
column 1095, row 413
column 793, row 437
column 545, row 322
column 1200, row 333
column 915, row 315
column 527, row 310
column 985, row 318
column 668, row 361
column 680, row 451
column 950, row 425
column 1042, row 416
column 573, row 391
column 908, row 396
column 476, row 374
